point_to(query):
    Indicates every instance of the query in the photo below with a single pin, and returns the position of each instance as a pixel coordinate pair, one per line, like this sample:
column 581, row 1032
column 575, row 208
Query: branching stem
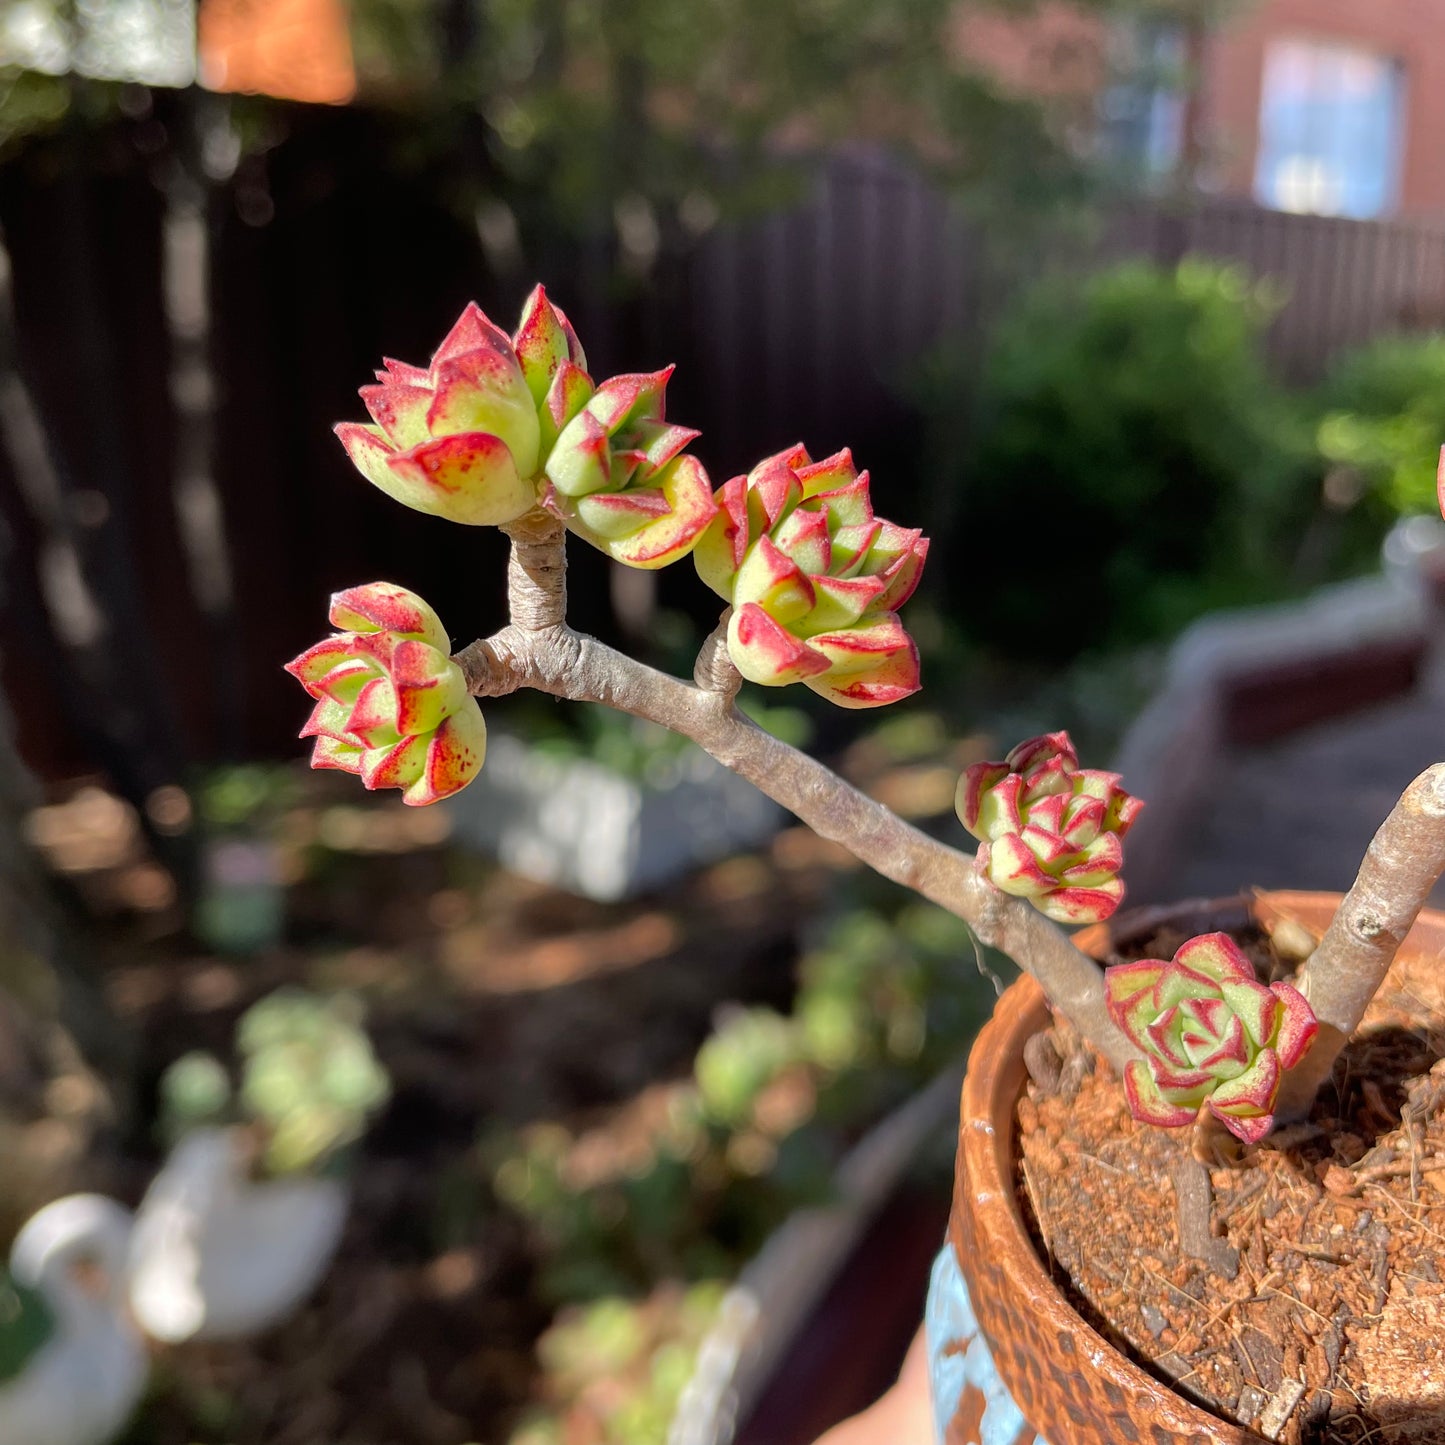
column 538, row 650
column 1401, row 866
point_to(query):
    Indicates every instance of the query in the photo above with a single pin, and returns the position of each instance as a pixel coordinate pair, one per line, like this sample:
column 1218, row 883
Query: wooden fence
column 1342, row 282
column 827, row 303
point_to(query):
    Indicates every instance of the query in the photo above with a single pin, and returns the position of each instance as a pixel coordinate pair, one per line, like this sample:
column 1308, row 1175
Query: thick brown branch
column 570, row 665
column 1400, row 868
column 537, row 572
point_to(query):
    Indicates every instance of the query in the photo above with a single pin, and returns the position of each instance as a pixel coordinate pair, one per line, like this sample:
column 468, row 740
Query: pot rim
column 985, row 1176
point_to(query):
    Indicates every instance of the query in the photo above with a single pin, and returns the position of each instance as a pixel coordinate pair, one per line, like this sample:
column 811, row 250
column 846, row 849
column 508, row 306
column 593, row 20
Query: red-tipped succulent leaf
column 1049, row 830
column 1209, row 1034
column 620, row 478
column 554, row 366
column 466, row 438
column 391, row 705
column 815, row 580
column 458, row 439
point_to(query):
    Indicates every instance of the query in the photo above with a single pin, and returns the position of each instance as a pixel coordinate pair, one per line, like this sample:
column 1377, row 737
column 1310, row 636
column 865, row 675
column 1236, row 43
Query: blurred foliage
column 616, row 1368
column 30, row 104
column 634, row 748
column 1380, row 420
column 194, row 1091
column 689, row 1190
column 1131, row 463
column 651, row 114
column 26, row 1323
column 241, row 907
column 627, row 108
column 245, row 797
column 309, row 1080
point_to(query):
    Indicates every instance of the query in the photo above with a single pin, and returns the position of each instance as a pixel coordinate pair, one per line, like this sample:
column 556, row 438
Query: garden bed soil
column 1331, row 1331
column 492, row 1002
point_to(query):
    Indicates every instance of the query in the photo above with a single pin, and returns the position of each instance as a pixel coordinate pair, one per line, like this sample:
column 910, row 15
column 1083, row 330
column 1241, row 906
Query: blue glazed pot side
column 960, row 1365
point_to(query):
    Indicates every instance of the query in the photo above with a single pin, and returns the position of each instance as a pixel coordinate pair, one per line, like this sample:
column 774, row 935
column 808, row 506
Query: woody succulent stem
column 538, row 650
column 1401, row 866
column 536, row 572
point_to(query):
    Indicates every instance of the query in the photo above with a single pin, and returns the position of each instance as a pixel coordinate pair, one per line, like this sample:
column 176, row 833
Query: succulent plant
column 746, row 1051
column 309, row 1078
column 512, row 430
column 1210, row 1033
column 309, row 1075
column 1049, row 830
column 194, row 1091
column 614, row 1370
column 620, row 479
column 458, row 439
column 391, row 705
column 815, row 580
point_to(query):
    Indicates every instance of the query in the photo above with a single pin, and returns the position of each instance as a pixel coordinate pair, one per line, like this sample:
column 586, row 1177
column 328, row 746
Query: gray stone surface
column 1299, row 812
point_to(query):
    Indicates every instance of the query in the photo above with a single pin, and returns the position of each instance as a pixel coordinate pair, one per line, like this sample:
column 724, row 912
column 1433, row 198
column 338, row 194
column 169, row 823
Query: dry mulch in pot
column 1332, row 1329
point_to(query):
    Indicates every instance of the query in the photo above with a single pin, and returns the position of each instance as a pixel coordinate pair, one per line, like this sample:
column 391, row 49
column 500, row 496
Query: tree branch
column 553, row 659
column 1400, row 867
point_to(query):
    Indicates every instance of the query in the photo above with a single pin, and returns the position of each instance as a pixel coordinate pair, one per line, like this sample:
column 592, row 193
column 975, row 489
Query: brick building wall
column 1232, row 71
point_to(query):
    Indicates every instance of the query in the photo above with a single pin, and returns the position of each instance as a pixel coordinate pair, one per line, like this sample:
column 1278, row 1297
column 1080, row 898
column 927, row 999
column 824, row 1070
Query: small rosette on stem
column 1210, row 1034
column 1049, row 830
column 620, row 479
column 459, row 439
column 391, row 705
column 815, row 580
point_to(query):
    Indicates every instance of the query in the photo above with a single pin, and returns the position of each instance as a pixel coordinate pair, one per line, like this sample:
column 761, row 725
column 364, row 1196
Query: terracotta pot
column 994, row 1307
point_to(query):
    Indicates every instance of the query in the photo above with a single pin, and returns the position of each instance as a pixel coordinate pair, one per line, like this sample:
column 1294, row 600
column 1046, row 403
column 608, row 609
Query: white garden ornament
column 217, row 1254
column 81, row 1385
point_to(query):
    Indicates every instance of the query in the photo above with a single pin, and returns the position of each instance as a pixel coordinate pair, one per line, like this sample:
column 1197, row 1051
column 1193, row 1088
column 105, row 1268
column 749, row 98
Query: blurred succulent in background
column 815, row 580
column 705, row 1168
column 310, row 1077
column 309, row 1081
column 614, row 1370
column 1049, row 830
column 195, row 1091
column 746, row 1051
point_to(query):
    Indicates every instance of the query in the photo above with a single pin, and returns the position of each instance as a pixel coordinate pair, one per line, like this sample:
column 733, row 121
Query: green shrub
column 1130, row 464
column 1379, row 424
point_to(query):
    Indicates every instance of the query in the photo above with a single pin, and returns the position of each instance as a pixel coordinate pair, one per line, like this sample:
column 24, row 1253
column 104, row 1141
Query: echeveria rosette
column 815, row 580
column 463, row 438
column 1049, row 830
column 1210, row 1034
column 620, row 478
column 391, row 705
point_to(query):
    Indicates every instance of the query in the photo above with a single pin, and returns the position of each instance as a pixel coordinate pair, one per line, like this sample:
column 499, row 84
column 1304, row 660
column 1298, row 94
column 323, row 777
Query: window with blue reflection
column 1142, row 117
column 1331, row 132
